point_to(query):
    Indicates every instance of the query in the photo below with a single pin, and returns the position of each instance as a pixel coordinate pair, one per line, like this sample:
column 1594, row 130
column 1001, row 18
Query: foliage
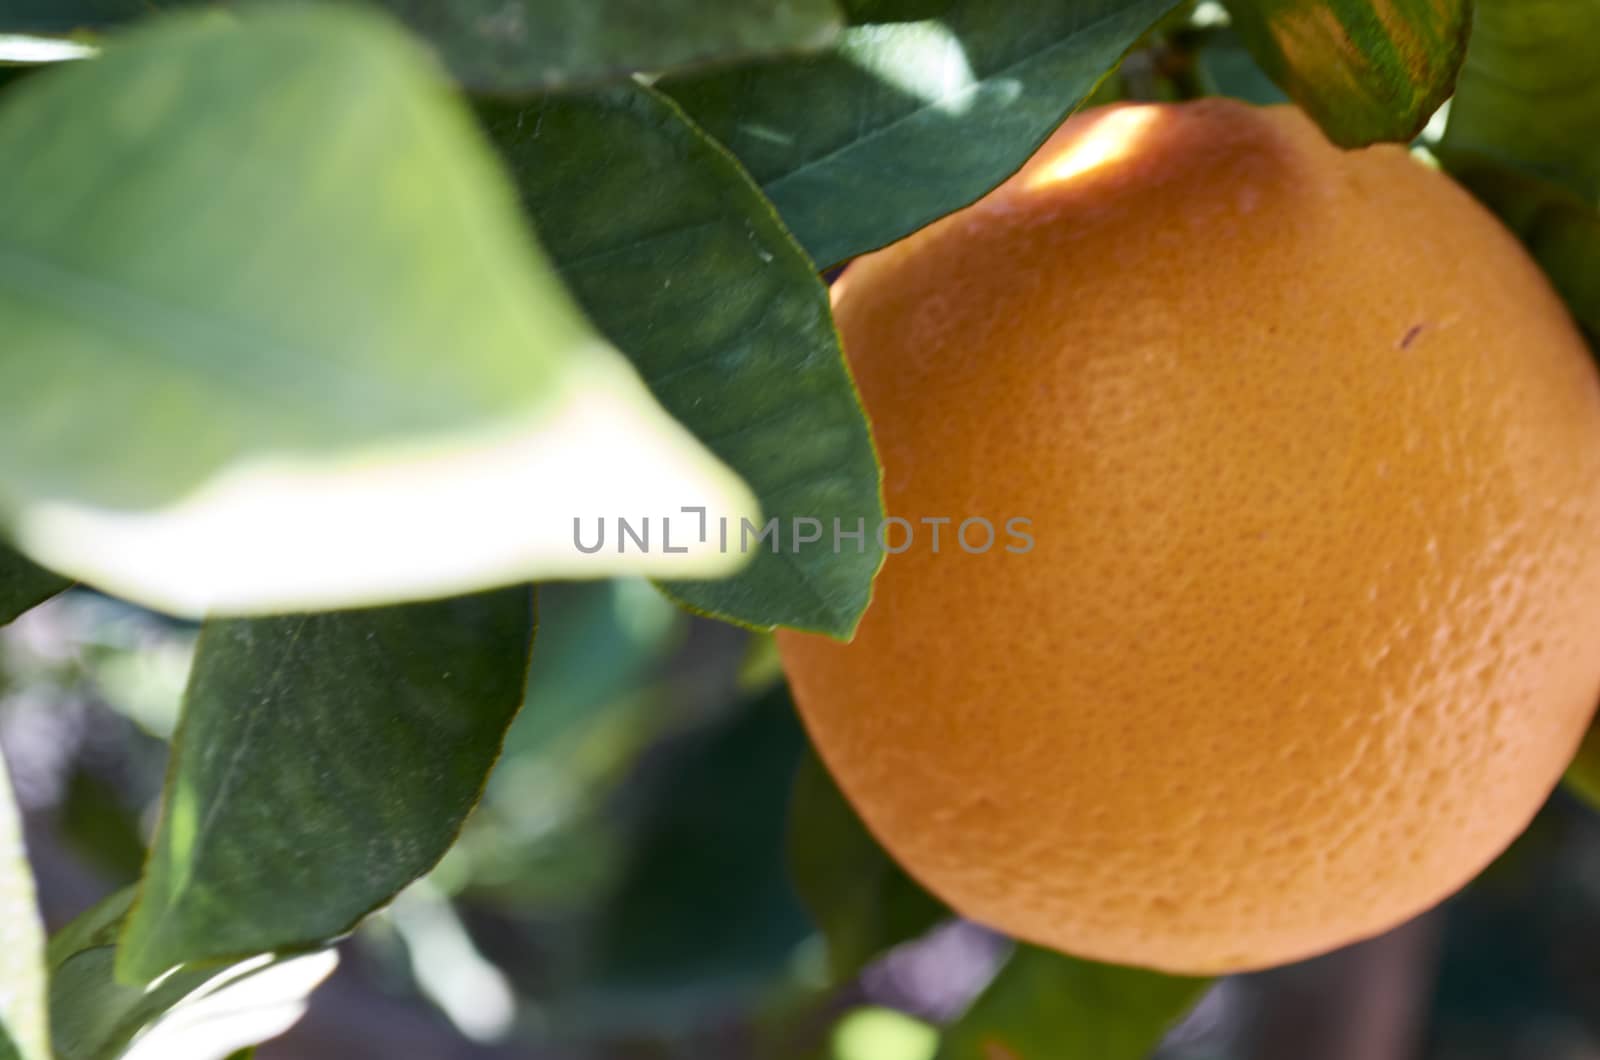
column 323, row 324
column 1366, row 70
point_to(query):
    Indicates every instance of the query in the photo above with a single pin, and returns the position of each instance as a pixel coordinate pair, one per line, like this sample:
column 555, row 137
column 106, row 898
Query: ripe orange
column 1311, row 623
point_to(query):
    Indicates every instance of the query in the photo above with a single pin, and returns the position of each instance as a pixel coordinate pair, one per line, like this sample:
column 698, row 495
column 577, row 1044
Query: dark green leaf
column 65, row 16
column 1560, row 230
column 675, row 255
column 1524, row 135
column 863, row 902
column 101, row 830
column 536, row 45
column 24, row 1032
column 1227, row 69
column 527, row 46
column 1528, row 95
column 271, row 273
column 1366, row 70
column 323, row 763
column 193, row 1014
column 862, row 12
column 901, row 124
column 24, row 585
column 706, row 905
column 1048, row 1006
column 599, row 643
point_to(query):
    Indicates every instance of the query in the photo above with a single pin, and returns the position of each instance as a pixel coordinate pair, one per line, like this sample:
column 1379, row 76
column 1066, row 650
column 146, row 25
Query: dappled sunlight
column 1109, row 137
column 922, row 59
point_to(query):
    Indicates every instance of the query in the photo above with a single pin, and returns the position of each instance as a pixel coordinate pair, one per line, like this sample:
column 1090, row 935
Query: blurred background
column 622, row 893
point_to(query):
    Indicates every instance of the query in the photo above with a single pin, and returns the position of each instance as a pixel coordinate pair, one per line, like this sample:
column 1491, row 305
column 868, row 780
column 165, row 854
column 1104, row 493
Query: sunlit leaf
column 24, row 1032
column 323, row 763
column 277, row 337
column 195, row 1013
column 1048, row 1006
column 861, row 900
column 681, row 263
column 1366, row 70
column 903, row 123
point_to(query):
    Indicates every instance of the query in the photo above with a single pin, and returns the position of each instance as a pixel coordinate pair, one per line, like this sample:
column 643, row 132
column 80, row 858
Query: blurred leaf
column 254, row 270
column 1528, row 95
column 675, row 255
column 24, row 1028
column 323, row 763
column 1524, row 135
column 598, row 643
column 193, row 1014
column 65, row 16
column 1560, row 230
column 24, row 586
column 1583, row 776
column 883, row 1034
column 100, row 829
column 537, row 45
column 1228, row 69
column 1048, row 1006
column 1366, row 70
column 760, row 667
column 861, row 12
column 862, row 901
column 706, row 906
column 901, row 124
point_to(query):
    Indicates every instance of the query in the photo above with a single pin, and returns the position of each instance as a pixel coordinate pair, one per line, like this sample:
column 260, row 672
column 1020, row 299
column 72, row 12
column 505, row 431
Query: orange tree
column 337, row 328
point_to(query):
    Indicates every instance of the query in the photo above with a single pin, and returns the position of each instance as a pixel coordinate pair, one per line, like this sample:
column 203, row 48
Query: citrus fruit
column 1309, row 454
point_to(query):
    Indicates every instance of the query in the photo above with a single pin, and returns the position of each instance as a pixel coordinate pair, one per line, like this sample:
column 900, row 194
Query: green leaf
column 861, row 900
column 65, row 16
column 675, row 255
column 1560, row 230
column 527, row 46
column 1366, row 70
column 23, row 585
column 1227, row 68
column 538, row 45
column 93, row 820
column 862, row 12
column 193, row 1014
column 273, row 277
column 1524, row 135
column 24, row 1032
column 706, row 906
column 323, row 763
column 1528, row 96
column 901, row 124
column 1048, row 1006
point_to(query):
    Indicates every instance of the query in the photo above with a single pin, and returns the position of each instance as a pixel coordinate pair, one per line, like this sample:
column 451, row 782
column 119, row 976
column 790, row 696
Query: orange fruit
column 1311, row 621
